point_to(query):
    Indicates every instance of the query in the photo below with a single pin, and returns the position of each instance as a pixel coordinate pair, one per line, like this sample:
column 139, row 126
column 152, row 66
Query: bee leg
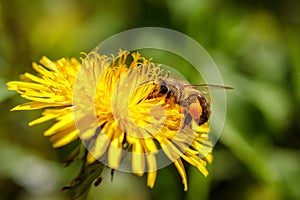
column 187, row 120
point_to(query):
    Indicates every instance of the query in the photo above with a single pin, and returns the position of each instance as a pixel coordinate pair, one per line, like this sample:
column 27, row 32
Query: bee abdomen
column 205, row 109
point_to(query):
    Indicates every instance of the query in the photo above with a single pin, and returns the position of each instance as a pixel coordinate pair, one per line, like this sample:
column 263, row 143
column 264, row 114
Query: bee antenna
column 210, row 86
column 145, row 82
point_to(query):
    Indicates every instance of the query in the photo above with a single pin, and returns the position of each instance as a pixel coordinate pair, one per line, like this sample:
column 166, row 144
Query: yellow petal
column 208, row 158
column 151, row 178
column 34, row 105
column 180, row 168
column 138, row 159
column 87, row 134
column 100, row 147
column 49, row 64
column 56, row 99
column 20, row 86
column 63, row 138
column 114, row 154
column 40, row 69
column 65, row 122
column 152, row 167
column 43, row 119
column 197, row 162
column 90, row 158
column 36, row 79
column 150, row 145
column 169, row 149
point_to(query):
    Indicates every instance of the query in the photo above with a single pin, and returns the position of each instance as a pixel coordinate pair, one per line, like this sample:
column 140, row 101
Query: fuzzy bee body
column 193, row 103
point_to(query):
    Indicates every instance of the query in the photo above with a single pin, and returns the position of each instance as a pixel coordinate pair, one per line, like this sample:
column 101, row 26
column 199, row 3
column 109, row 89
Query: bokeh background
column 256, row 45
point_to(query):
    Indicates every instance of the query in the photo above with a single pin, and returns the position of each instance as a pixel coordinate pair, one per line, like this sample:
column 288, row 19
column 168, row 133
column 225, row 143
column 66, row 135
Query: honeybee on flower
column 124, row 110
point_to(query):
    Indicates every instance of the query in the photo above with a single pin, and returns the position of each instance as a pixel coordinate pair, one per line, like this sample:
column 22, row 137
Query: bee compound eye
column 163, row 89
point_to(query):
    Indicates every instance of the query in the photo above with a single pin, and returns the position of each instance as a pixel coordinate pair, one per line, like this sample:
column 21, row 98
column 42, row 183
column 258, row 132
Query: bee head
column 162, row 89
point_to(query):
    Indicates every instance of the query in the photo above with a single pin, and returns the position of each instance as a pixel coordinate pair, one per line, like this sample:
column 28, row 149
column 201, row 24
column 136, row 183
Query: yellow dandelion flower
column 110, row 104
column 51, row 88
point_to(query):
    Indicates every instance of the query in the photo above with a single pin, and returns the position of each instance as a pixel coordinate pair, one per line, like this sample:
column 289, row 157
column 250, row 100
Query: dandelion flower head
column 105, row 102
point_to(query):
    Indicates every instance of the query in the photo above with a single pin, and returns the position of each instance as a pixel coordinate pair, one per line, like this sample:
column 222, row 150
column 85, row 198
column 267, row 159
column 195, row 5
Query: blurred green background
column 256, row 45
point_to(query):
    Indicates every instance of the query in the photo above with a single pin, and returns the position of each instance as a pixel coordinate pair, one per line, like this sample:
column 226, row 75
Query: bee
column 194, row 105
